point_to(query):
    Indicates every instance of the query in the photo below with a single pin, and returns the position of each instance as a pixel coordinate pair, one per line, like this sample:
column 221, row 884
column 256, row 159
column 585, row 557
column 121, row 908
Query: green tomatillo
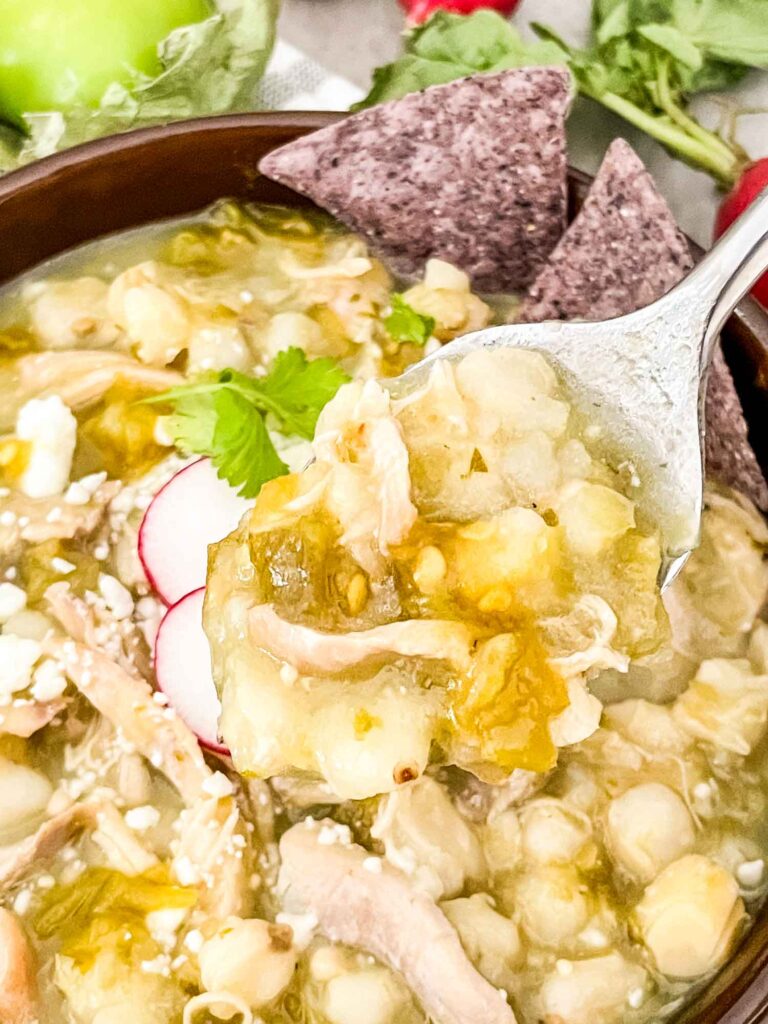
column 58, row 54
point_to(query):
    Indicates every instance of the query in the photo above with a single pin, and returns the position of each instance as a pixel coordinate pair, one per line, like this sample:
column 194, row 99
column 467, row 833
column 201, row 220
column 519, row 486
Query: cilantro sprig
column 407, row 326
column 225, row 416
column 646, row 59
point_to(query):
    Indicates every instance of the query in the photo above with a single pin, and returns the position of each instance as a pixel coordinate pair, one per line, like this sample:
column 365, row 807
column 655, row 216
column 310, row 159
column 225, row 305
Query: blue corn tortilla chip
column 473, row 172
column 622, row 251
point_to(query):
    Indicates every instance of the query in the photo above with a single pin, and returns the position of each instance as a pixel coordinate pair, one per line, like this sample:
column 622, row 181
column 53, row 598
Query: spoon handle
column 727, row 272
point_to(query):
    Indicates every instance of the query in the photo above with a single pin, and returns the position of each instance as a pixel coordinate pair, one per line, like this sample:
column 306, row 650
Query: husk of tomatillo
column 208, row 67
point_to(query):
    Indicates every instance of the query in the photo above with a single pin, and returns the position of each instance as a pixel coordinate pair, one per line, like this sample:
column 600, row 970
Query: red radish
column 183, row 669
column 749, row 186
column 420, row 10
column 193, row 510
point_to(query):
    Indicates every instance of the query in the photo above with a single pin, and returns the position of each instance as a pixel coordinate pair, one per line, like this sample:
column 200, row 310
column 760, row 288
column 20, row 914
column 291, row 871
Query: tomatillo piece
column 58, row 54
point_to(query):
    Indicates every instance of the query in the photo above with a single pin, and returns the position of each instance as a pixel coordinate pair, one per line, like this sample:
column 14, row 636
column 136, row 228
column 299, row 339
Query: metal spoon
column 641, row 378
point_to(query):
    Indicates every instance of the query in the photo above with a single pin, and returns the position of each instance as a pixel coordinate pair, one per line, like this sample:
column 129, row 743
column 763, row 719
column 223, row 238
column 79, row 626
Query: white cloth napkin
column 293, row 81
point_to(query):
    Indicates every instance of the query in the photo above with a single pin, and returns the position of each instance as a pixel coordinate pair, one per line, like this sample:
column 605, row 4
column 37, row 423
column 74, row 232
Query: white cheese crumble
column 332, row 834
column 62, row 566
column 117, row 597
column 48, row 681
column 750, row 873
column 81, row 491
column 17, row 656
column 302, row 925
column 635, row 998
column 51, row 430
column 218, row 785
column 142, row 818
column 194, row 940
column 373, row 864
column 12, row 600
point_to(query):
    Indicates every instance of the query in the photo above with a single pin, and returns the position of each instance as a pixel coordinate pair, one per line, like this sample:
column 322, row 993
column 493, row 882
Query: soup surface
column 478, row 768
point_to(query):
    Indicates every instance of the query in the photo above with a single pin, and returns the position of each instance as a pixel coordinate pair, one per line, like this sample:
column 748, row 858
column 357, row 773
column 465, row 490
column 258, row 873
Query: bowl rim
column 738, row 992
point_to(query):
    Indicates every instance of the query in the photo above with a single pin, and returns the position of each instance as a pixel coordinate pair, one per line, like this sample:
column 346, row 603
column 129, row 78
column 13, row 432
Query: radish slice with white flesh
column 194, row 509
column 183, row 669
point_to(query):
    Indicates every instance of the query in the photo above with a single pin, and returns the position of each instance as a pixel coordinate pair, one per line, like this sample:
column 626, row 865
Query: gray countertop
column 351, row 37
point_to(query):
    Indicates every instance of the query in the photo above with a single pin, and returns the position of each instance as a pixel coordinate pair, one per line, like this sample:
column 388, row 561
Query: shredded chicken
column 79, row 621
column 81, row 377
column 380, row 912
column 156, row 731
column 19, row 1001
column 120, row 846
column 42, row 846
column 311, row 651
column 211, row 853
column 368, row 487
column 24, row 720
column 35, row 520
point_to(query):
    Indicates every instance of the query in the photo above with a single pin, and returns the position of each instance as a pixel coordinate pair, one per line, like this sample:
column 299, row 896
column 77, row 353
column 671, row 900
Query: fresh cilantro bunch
column 225, row 416
column 645, row 61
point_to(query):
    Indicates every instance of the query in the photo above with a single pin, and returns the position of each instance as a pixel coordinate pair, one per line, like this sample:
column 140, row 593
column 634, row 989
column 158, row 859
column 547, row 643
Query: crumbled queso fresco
column 479, row 770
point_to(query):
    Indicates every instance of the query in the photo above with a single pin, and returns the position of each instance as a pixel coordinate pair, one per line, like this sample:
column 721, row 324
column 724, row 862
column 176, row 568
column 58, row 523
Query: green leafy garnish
column 407, row 326
column 646, row 59
column 450, row 46
column 225, row 415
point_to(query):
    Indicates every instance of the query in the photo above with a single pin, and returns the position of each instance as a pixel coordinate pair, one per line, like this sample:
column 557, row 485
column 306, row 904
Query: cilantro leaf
column 451, row 46
column 297, row 389
column 243, row 452
column 406, row 325
column 734, row 31
column 223, row 415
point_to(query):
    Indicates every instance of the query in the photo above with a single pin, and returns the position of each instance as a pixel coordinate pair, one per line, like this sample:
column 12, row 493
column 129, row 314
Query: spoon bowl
column 638, row 382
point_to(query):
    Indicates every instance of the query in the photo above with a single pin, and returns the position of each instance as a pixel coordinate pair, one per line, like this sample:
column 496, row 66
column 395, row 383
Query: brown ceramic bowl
column 129, row 180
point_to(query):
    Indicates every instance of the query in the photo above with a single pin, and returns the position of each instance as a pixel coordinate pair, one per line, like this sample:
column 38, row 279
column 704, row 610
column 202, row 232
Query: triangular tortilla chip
column 473, row 172
column 623, row 251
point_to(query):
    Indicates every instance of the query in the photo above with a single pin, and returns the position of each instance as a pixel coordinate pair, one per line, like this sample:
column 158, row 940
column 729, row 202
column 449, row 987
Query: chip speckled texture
column 730, row 457
column 473, row 172
column 622, row 252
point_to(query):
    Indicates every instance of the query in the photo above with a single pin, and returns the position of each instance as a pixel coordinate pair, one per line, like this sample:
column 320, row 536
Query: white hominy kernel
column 12, row 600
column 7, row 518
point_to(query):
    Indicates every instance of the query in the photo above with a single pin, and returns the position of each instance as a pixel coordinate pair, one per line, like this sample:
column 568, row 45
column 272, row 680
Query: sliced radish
column 193, row 510
column 183, row 669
